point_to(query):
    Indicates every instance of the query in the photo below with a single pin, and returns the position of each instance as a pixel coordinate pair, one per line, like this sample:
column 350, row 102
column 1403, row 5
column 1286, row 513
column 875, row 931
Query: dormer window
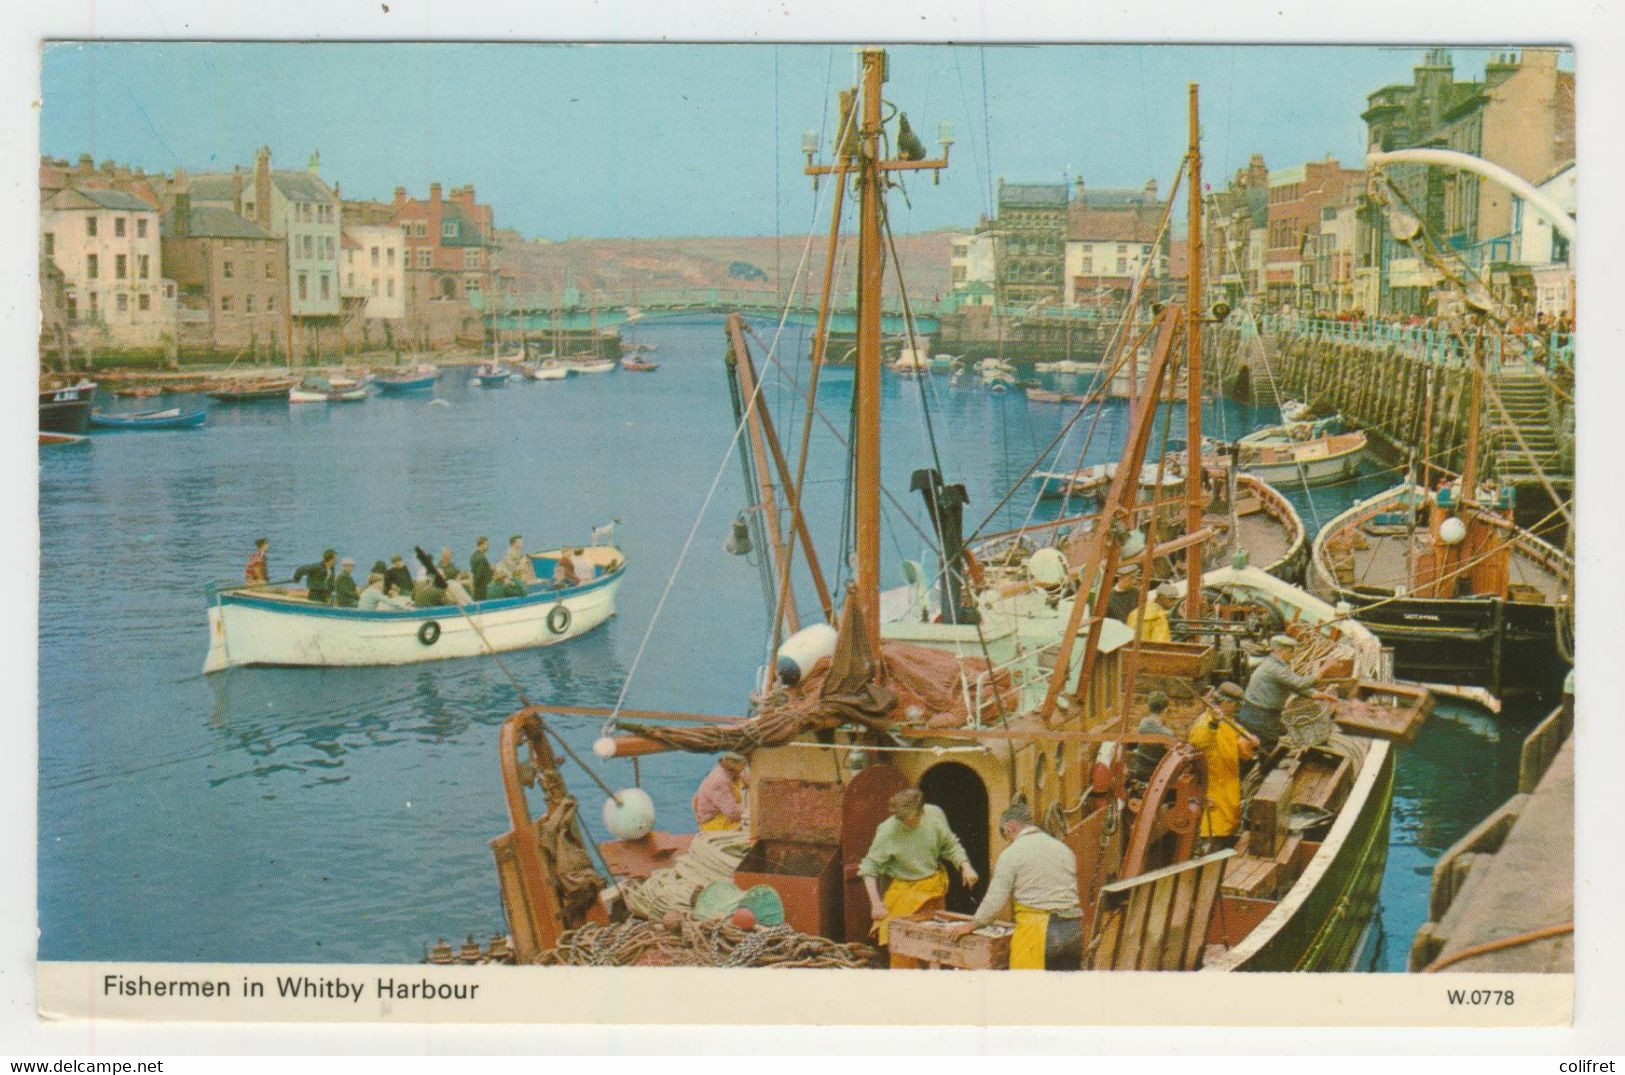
column 448, row 230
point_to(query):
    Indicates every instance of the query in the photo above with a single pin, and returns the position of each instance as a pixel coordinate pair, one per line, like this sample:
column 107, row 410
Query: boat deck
column 1385, row 563
column 1263, row 536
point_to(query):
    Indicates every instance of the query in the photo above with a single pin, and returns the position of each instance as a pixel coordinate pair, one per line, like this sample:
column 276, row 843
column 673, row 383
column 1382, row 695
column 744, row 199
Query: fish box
column 1391, row 711
column 807, row 878
column 1187, row 660
column 927, row 940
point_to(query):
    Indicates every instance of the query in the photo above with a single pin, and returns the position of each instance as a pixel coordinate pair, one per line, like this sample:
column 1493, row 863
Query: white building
column 1540, row 247
column 106, row 244
column 373, row 269
column 971, row 262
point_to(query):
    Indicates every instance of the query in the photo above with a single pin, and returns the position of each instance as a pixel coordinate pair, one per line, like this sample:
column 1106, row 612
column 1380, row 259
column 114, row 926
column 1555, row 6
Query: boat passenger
column 502, row 585
column 719, row 802
column 516, row 563
column 457, row 589
column 398, row 576
column 257, row 573
column 447, row 565
column 378, row 568
column 1124, row 596
column 344, row 591
column 1038, row 875
column 1268, row 689
column 909, row 848
column 373, row 596
column 1225, row 745
column 1143, row 761
column 318, row 578
column 1155, row 615
column 427, row 593
column 564, row 571
column 479, row 566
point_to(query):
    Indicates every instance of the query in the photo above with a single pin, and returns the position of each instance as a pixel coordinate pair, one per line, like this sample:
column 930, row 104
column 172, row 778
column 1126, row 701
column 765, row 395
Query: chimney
column 316, row 164
column 85, row 165
column 183, row 215
column 1077, row 189
column 1151, row 191
column 434, row 193
column 400, row 198
column 1257, row 174
column 237, row 189
column 107, row 168
column 262, row 188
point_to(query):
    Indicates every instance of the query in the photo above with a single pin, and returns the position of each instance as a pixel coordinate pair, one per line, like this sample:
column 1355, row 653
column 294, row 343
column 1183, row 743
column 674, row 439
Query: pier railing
column 1501, row 352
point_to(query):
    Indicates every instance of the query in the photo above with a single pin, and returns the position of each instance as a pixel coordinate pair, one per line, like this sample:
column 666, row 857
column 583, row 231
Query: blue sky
column 620, row 140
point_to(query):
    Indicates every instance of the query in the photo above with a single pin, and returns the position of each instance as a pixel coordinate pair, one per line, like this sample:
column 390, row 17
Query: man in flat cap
column 1269, row 687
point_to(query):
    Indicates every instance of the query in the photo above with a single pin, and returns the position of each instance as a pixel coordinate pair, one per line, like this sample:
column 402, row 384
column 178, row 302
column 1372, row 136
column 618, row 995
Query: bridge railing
column 1549, row 349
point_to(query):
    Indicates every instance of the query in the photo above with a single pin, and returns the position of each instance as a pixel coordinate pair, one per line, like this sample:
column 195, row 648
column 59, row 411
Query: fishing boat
column 987, row 695
column 421, row 379
column 138, row 391
column 316, row 391
column 253, row 391
column 550, row 369
column 1317, row 460
column 172, row 418
column 491, row 375
column 912, row 361
column 634, row 365
column 276, row 626
column 943, row 363
column 66, row 408
column 63, row 440
column 591, row 365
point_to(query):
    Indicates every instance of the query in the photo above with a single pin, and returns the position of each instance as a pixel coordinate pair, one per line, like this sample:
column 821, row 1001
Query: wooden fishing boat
column 317, row 393
column 491, row 375
column 1320, row 460
column 253, row 391
column 421, row 379
column 633, row 365
column 1025, row 695
column 138, row 391
column 172, row 418
column 550, row 369
column 275, row 626
column 591, row 365
column 63, row 440
column 66, row 408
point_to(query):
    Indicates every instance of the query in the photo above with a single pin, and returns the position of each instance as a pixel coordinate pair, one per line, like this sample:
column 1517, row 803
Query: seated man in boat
column 345, row 594
column 428, row 593
column 564, row 571
column 398, row 576
column 376, row 598
column 448, row 565
column 1225, row 745
column 719, row 802
column 1125, row 595
column 479, row 566
column 459, row 588
column 1143, row 761
column 502, row 585
column 516, row 563
column 909, row 849
column 1038, row 876
column 258, row 572
column 1154, row 616
column 1269, row 687
column 318, row 578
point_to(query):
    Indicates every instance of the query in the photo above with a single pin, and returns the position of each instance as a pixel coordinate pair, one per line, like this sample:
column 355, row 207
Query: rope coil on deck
column 691, row 942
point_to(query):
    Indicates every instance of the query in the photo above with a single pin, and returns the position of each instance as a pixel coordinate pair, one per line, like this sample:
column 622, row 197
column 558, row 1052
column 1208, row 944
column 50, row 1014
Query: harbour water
column 345, row 815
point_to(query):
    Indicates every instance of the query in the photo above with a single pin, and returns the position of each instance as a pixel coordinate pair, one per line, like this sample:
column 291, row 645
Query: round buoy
column 743, row 918
column 604, row 747
column 1047, row 567
column 1452, row 531
column 672, row 920
column 633, row 817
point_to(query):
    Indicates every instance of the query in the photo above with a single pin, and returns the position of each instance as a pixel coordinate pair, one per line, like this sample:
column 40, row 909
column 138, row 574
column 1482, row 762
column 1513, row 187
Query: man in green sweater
column 345, row 594
column 909, row 848
column 318, row 578
column 479, row 565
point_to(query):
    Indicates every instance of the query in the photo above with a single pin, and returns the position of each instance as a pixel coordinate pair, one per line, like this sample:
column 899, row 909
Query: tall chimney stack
column 237, row 189
column 262, row 188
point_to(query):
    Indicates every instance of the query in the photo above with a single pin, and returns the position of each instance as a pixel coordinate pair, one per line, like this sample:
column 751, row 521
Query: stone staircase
column 1267, row 390
column 1527, row 402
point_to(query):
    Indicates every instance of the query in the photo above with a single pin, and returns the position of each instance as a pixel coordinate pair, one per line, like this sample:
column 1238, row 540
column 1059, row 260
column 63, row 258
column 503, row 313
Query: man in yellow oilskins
column 1038, row 875
column 1225, row 745
column 910, row 848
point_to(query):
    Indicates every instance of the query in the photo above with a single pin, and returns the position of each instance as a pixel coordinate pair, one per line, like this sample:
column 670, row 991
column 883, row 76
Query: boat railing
column 1508, row 353
column 999, row 690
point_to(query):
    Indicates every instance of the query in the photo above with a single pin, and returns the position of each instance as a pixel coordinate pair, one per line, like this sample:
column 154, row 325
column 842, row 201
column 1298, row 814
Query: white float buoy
column 604, row 747
column 633, row 817
column 1453, row 531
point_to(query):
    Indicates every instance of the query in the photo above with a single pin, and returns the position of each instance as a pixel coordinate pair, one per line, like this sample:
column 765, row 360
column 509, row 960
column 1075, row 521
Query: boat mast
column 1193, row 370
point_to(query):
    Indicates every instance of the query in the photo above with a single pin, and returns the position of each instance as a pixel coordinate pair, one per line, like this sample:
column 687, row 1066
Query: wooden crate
column 927, row 940
column 1394, row 712
column 1187, row 660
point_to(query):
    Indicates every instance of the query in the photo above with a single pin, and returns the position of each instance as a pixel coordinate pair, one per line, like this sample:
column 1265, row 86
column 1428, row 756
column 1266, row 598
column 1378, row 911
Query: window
column 248, row 208
column 325, row 288
column 225, row 304
column 118, row 227
column 123, row 303
column 375, row 287
column 142, row 265
column 248, row 304
column 143, row 301
column 50, row 244
column 423, row 259
column 389, row 288
column 267, row 270
column 270, row 304
column 471, row 259
column 73, row 309
column 309, row 246
column 375, row 257
column 418, row 229
column 93, row 266
column 225, row 269
column 448, row 230
column 90, row 226
column 304, row 286
column 141, row 228
column 389, row 256
column 121, row 266
column 1122, row 264
column 327, row 247
column 92, row 304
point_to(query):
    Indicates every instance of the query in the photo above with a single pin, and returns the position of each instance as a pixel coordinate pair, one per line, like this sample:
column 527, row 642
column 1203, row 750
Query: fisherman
column 398, row 576
column 344, row 591
column 1125, row 595
column 909, row 848
column 1224, row 745
column 318, row 578
column 479, row 566
column 719, row 802
column 1155, row 615
column 257, row 573
column 1268, row 689
column 1038, row 875
column 564, row 571
column 1143, row 762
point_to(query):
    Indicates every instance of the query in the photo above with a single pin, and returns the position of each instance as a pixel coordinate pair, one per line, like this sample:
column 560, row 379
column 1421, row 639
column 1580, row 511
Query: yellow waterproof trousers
column 720, row 823
column 904, row 898
column 1027, row 945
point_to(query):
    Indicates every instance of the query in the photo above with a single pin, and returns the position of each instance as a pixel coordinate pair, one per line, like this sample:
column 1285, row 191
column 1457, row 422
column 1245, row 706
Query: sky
column 667, row 140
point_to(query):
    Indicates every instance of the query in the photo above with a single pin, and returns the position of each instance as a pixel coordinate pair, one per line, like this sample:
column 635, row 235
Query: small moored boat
column 66, row 408
column 63, row 440
column 491, row 375
column 548, row 370
column 316, row 392
column 418, row 380
column 173, row 418
column 252, row 391
column 632, row 365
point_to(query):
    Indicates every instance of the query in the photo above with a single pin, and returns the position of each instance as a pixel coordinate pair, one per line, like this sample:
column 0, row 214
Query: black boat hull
column 65, row 411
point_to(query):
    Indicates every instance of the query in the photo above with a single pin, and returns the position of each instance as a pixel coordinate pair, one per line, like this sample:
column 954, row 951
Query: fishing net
column 690, row 942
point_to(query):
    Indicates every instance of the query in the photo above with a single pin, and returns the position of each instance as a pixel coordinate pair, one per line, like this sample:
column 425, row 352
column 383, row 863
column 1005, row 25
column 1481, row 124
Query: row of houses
column 1311, row 237
column 265, row 263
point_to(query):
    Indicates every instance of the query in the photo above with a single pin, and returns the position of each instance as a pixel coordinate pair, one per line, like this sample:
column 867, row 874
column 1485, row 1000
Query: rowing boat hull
column 416, row 384
column 188, row 420
column 1321, row 471
column 262, row 631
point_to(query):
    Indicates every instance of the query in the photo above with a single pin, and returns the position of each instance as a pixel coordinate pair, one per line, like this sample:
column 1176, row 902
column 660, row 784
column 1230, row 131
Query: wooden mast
column 1194, row 504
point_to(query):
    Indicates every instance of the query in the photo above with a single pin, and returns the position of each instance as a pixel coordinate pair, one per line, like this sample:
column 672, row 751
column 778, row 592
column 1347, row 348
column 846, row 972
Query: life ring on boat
column 558, row 620
column 429, row 633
